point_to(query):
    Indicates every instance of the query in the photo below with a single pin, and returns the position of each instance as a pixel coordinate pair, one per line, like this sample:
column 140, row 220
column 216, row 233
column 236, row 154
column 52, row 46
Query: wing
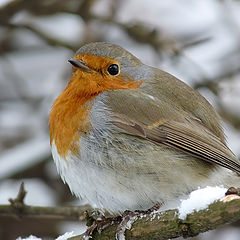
column 165, row 126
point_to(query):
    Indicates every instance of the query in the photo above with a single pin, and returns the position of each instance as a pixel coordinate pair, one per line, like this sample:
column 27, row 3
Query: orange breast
column 68, row 120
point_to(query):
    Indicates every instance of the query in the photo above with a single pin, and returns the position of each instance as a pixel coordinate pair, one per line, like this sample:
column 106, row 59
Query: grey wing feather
column 183, row 132
column 181, row 137
column 188, row 134
column 208, row 147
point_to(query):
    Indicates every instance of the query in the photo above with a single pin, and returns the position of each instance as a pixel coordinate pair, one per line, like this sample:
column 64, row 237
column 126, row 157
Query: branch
column 44, row 36
column 18, row 209
column 167, row 225
column 53, row 213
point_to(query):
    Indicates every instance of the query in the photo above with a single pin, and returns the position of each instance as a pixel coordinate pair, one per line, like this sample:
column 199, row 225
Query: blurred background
column 197, row 41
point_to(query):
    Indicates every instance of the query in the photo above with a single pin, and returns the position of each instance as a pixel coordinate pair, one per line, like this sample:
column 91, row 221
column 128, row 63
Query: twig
column 45, row 37
column 18, row 209
column 18, row 202
column 53, row 213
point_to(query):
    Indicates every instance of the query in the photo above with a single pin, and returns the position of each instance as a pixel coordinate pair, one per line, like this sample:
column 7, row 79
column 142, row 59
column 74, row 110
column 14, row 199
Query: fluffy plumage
column 137, row 138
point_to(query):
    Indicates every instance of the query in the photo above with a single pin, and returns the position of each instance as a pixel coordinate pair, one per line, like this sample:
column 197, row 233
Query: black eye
column 113, row 69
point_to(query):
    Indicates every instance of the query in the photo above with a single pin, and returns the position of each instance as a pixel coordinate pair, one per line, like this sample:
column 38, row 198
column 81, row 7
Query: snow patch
column 65, row 236
column 31, row 237
column 200, row 199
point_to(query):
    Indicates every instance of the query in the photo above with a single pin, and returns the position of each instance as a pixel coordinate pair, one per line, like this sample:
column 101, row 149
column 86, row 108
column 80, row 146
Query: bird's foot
column 129, row 217
column 98, row 222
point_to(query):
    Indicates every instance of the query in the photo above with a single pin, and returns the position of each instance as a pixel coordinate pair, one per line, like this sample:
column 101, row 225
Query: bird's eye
column 113, row 69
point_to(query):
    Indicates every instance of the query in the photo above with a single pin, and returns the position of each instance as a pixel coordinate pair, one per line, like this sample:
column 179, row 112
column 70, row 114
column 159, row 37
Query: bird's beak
column 79, row 64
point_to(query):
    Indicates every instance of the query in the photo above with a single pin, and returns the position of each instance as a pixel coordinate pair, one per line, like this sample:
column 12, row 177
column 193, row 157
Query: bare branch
column 44, row 36
column 53, row 213
column 18, row 209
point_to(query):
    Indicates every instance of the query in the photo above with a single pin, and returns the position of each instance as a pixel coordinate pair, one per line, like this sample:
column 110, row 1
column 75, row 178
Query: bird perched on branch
column 126, row 136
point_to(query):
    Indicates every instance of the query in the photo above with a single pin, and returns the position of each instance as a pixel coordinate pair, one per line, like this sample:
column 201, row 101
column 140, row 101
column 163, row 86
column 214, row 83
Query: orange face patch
column 100, row 75
column 69, row 118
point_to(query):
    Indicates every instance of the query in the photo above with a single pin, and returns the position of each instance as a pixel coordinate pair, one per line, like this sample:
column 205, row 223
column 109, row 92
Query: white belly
column 119, row 187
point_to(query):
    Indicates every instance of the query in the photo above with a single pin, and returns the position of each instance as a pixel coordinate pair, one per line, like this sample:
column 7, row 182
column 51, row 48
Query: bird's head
column 98, row 67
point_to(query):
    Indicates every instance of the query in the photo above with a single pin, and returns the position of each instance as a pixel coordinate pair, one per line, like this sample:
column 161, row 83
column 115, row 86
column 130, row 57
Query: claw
column 124, row 222
column 100, row 224
column 130, row 217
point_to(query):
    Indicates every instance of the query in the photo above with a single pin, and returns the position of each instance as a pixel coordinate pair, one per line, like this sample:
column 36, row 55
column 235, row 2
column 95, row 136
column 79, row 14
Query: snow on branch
column 167, row 224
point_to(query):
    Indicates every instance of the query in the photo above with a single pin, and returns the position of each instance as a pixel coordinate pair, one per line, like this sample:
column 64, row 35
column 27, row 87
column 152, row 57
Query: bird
column 125, row 136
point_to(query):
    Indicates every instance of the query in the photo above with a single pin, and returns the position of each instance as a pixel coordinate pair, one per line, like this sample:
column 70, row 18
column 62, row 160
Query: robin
column 125, row 136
